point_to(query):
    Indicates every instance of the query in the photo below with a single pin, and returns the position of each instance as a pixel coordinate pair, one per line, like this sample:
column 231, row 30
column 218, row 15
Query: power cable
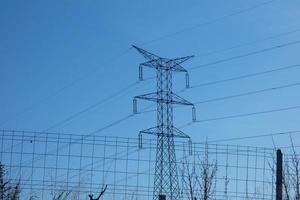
column 215, row 20
column 60, row 90
column 249, row 43
column 92, row 107
column 192, row 87
column 114, row 123
column 245, row 76
column 248, row 93
column 238, row 95
column 97, row 104
column 211, row 100
column 119, row 55
column 145, row 110
column 215, row 82
column 115, row 57
column 118, row 121
column 101, row 103
column 245, row 55
column 253, row 136
column 243, row 115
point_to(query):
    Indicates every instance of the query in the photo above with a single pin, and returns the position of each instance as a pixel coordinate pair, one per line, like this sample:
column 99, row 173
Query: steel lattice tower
column 166, row 176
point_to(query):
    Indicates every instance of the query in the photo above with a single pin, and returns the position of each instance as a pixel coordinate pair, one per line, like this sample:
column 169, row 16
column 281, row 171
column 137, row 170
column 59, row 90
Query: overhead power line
column 246, row 55
column 93, row 106
column 118, row 121
column 245, row 76
column 255, row 136
column 117, row 56
column 146, row 109
column 244, row 115
column 238, row 95
column 199, row 85
column 114, row 123
column 248, row 93
column 215, row 20
column 66, row 86
column 249, row 43
column 197, row 102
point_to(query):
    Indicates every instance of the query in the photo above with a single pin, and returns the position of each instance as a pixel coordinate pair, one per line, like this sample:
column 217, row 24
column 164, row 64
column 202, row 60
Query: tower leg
column 166, row 176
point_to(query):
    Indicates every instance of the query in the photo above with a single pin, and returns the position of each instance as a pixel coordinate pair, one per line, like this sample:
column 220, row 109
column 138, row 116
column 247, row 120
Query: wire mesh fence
column 46, row 164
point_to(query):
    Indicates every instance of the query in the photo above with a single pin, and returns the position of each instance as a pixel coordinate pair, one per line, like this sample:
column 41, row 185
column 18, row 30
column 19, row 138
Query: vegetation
column 291, row 176
column 198, row 177
column 8, row 191
column 100, row 195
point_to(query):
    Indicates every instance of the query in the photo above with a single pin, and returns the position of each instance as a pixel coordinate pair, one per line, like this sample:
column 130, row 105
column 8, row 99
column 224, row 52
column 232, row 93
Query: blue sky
column 60, row 57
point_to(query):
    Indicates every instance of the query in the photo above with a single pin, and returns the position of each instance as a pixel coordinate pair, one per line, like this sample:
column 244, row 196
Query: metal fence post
column 162, row 197
column 279, row 175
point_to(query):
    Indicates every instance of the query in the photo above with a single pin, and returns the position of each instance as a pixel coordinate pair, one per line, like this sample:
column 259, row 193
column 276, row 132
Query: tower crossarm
column 149, row 56
column 175, row 63
column 156, row 63
column 156, row 131
column 179, row 100
column 175, row 99
column 166, row 64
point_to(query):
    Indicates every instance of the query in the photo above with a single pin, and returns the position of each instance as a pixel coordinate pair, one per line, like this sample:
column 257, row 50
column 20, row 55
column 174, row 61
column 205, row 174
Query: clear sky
column 59, row 58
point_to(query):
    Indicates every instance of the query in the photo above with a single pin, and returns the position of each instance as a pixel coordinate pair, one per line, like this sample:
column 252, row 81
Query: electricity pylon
column 166, row 181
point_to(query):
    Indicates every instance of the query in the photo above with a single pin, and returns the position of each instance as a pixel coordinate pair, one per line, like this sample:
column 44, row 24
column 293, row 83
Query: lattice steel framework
column 166, row 176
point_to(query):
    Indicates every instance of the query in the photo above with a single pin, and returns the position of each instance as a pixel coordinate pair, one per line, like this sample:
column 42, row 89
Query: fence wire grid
column 48, row 163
